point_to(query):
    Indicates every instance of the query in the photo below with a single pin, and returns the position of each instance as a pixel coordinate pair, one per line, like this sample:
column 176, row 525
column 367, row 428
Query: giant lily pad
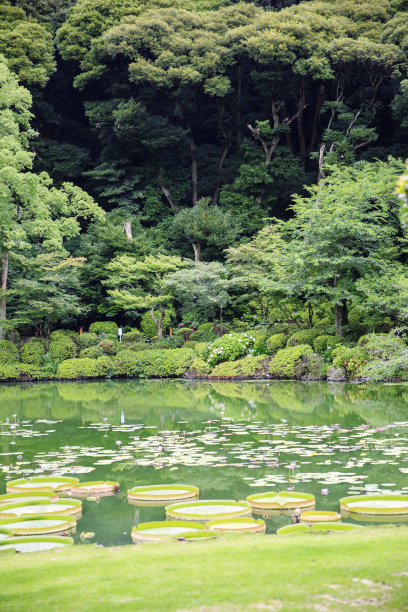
column 99, row 487
column 5, row 532
column 281, row 501
column 42, row 483
column 9, row 498
column 38, row 524
column 62, row 506
column 375, row 504
column 205, row 509
column 34, row 543
column 159, row 493
column 161, row 530
column 319, row 516
column 244, row 525
column 317, row 528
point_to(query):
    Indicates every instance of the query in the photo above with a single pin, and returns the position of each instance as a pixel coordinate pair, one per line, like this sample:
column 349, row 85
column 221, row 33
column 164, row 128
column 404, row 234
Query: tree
column 136, row 284
column 203, row 290
column 32, row 211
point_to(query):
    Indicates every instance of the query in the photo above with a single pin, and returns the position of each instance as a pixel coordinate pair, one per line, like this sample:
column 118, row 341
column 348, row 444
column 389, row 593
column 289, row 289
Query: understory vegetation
column 235, row 205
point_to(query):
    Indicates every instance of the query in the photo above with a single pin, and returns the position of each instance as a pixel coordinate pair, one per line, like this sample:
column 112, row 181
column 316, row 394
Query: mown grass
column 359, row 571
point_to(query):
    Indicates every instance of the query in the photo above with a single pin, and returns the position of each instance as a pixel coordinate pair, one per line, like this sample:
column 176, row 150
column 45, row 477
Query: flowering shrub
column 285, row 362
column 229, row 348
column 353, row 360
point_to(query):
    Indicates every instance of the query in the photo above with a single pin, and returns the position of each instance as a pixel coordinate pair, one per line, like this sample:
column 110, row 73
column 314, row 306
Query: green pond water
column 229, row 439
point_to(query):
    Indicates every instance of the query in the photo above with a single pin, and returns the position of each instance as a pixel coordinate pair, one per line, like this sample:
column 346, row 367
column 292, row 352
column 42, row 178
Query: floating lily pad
column 242, row 524
column 10, row 498
column 34, row 543
column 161, row 530
column 375, row 504
column 100, row 487
column 38, row 524
column 319, row 516
column 42, row 483
column 5, row 532
column 62, row 506
column 283, row 500
column 317, row 528
column 158, row 493
column 205, row 509
column 192, row 536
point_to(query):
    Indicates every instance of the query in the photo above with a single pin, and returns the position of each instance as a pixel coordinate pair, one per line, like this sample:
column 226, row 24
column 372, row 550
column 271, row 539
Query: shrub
column 204, row 333
column 200, row 347
column 171, row 362
column 131, row 346
column 249, row 367
column 228, row 348
column 108, row 347
column 167, row 343
column 125, row 363
column 387, row 357
column 92, row 352
column 276, row 342
column 190, row 344
column 283, row 365
column 133, row 336
column 62, row 348
column 64, row 333
column 33, row 372
column 102, row 337
column 352, row 359
column 84, row 368
column 33, row 352
column 183, row 333
column 149, row 327
column 105, row 366
column 305, row 336
column 311, row 367
column 199, row 369
column 8, row 352
column 86, row 340
column 104, row 327
column 9, row 371
column 322, row 343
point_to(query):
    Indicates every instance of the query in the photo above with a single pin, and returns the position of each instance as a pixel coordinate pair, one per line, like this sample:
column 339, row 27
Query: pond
column 229, row 439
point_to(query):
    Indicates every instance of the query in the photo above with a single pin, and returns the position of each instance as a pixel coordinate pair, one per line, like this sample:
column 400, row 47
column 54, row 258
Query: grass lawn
column 364, row 571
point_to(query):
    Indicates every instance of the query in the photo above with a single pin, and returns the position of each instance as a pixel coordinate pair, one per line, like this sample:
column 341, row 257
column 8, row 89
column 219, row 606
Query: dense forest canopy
column 202, row 159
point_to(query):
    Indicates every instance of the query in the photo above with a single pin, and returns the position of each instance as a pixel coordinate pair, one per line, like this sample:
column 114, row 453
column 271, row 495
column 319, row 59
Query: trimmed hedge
column 33, row 352
column 104, row 327
column 8, row 352
column 322, row 343
column 304, row 336
column 199, row 347
column 353, row 360
column 62, row 349
column 9, row 371
column 132, row 336
column 64, row 333
column 249, row 367
column 84, row 368
column 205, row 332
column 92, row 352
column 199, row 369
column 154, row 363
column 86, row 340
column 229, row 348
column 311, row 367
column 276, row 342
column 108, row 347
column 283, row 365
column 131, row 346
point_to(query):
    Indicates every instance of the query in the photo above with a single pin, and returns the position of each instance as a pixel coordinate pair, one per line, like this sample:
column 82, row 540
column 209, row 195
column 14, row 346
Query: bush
column 228, row 348
column 305, row 336
column 84, row 368
column 190, row 344
column 33, row 352
column 8, row 352
column 204, row 333
column 167, row 343
column 32, row 372
column 86, row 340
column 183, row 333
column 322, row 343
column 108, row 347
column 102, row 337
column 105, row 366
column 199, row 369
column 283, row 365
column 104, row 327
column 311, row 367
column 131, row 346
column 171, row 362
column 200, row 347
column 387, row 357
column 352, row 359
column 276, row 342
column 126, row 364
column 133, row 336
column 149, row 327
column 249, row 367
column 92, row 352
column 9, row 371
column 64, row 333
column 62, row 348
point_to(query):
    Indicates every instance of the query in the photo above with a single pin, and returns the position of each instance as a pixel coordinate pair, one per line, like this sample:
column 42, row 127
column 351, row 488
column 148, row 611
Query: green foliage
column 92, row 352
column 125, row 363
column 32, row 353
column 62, row 348
column 276, row 342
column 249, row 367
column 305, row 336
column 10, row 371
column 154, row 363
column 86, row 340
column 324, row 342
column 229, row 348
column 352, row 359
column 198, row 369
column 311, row 367
column 132, row 346
column 104, row 327
column 8, row 352
column 83, row 368
column 133, row 336
column 283, row 365
column 200, row 348
column 108, row 347
column 204, row 333
column 148, row 326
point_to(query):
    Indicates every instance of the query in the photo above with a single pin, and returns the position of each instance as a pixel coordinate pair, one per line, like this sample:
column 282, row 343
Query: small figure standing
column 296, row 516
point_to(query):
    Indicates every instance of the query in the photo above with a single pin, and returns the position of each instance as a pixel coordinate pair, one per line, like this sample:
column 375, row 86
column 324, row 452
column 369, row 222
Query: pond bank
column 292, row 573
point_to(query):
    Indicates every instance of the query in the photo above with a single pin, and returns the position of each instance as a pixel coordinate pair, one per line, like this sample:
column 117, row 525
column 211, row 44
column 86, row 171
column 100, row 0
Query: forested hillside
column 203, row 163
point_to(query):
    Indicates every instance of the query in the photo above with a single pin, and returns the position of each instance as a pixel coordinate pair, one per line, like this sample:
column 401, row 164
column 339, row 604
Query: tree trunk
column 310, row 311
column 317, row 114
column 127, row 228
column 3, row 288
column 341, row 317
column 197, row 251
column 239, row 105
column 159, row 322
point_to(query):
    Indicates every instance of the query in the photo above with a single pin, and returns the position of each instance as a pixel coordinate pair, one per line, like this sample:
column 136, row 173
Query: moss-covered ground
column 359, row 571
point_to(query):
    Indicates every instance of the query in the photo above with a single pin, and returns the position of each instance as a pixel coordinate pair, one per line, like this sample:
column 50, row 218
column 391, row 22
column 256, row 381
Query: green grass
column 357, row 571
